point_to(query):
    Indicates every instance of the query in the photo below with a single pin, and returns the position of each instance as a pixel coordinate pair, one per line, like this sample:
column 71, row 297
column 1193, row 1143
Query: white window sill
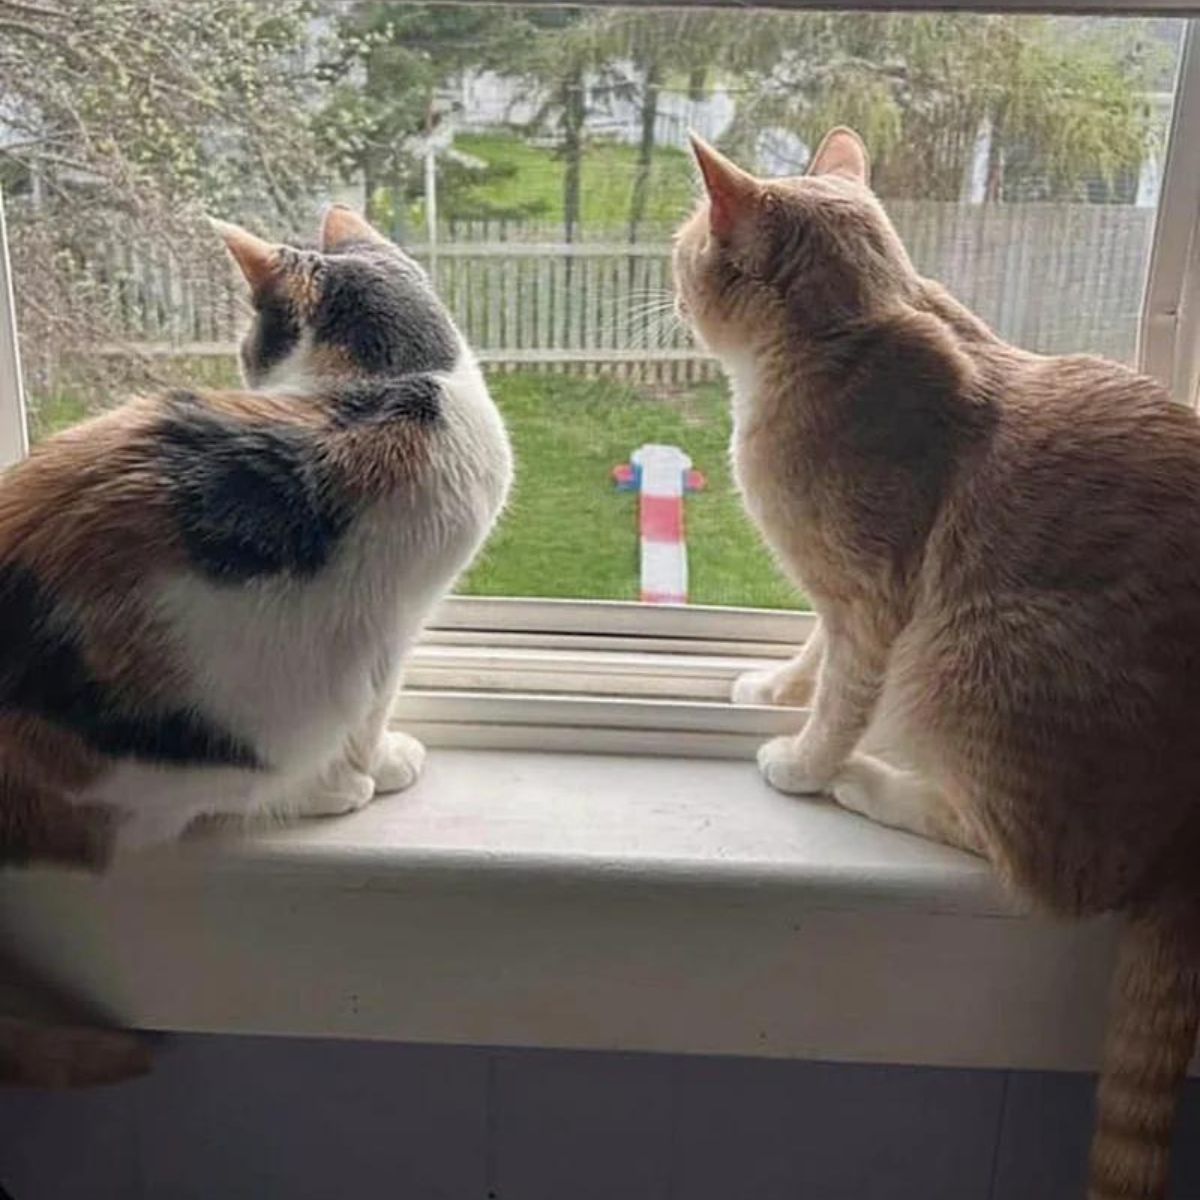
column 540, row 899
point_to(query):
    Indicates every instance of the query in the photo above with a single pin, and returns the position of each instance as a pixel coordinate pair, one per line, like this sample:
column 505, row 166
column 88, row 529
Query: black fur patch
column 380, row 309
column 272, row 337
column 416, row 398
column 42, row 672
column 250, row 500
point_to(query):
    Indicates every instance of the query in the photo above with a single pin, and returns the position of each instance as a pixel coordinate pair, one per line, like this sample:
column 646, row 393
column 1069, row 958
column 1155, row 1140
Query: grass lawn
column 568, row 531
column 608, row 171
column 49, row 414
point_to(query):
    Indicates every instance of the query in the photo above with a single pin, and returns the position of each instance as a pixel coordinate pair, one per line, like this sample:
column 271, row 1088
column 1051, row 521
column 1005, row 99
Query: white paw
column 901, row 799
column 398, row 762
column 144, row 829
column 341, row 790
column 754, row 687
column 786, row 767
column 855, row 796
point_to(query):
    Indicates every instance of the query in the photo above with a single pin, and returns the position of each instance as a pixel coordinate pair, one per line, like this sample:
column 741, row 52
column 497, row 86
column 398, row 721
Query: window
column 14, row 438
column 534, row 159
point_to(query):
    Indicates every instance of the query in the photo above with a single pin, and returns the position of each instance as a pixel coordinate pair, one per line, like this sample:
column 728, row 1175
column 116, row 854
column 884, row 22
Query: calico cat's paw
column 788, row 768
column 398, row 763
column 341, row 789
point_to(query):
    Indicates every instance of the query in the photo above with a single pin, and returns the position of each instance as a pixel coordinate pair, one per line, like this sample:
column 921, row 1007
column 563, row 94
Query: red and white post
column 663, row 472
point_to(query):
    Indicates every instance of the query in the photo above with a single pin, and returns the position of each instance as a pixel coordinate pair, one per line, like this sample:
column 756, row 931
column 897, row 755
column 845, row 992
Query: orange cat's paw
column 788, row 768
column 773, row 685
column 754, row 687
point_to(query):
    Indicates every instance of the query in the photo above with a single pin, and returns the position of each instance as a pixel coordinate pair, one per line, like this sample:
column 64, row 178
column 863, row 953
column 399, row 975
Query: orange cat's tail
column 1151, row 1037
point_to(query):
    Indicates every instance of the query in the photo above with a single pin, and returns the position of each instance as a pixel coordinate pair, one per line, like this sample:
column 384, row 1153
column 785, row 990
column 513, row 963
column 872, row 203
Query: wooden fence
column 578, row 306
column 1053, row 278
column 1057, row 278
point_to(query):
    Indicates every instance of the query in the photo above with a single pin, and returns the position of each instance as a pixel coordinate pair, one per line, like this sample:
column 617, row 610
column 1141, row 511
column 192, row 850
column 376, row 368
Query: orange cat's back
column 1059, row 626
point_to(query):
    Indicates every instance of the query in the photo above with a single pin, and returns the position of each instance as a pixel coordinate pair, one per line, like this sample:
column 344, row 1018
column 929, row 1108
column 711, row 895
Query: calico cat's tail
column 51, row 1038
column 1151, row 1037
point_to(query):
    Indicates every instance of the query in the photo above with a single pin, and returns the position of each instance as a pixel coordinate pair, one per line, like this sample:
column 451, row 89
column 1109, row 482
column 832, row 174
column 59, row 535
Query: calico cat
column 206, row 598
column 1004, row 552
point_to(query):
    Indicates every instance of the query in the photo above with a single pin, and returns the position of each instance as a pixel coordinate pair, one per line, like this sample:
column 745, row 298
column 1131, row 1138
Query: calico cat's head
column 357, row 305
column 764, row 258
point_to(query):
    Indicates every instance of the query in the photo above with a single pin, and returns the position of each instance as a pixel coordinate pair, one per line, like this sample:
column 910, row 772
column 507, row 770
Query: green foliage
column 1064, row 101
column 1075, row 106
column 524, row 179
column 382, row 72
column 487, row 188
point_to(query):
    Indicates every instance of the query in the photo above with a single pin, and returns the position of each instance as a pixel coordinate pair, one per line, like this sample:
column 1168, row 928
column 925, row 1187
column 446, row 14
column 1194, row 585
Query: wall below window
column 292, row 1119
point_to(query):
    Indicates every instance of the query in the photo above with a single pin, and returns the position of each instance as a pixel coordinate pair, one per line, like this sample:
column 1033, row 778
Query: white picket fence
column 1053, row 278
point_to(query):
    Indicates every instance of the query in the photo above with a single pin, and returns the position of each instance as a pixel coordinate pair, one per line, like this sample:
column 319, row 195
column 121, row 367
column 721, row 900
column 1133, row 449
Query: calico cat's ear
column 258, row 260
column 733, row 194
column 842, row 152
column 340, row 225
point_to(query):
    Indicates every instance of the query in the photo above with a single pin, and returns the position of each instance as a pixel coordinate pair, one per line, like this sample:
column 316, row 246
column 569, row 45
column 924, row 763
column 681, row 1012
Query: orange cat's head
column 764, row 258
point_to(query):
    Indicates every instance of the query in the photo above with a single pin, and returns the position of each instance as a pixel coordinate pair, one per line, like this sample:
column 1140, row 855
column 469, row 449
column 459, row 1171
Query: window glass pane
column 535, row 160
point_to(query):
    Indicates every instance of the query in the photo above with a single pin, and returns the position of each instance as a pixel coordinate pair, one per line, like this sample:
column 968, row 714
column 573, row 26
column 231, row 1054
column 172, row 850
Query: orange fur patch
column 373, row 461
column 42, row 764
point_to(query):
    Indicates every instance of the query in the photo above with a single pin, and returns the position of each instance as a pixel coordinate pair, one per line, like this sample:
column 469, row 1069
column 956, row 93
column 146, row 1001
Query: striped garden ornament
column 661, row 475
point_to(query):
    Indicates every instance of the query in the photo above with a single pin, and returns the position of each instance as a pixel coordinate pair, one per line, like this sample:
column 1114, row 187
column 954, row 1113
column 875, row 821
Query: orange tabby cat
column 1004, row 551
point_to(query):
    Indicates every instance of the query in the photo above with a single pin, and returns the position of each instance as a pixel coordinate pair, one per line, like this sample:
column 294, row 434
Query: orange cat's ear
column 258, row 260
column 733, row 194
column 341, row 224
column 842, row 152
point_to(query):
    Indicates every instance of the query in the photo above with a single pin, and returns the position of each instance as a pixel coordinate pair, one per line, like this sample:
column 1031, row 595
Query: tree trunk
column 651, row 82
column 370, row 164
column 368, row 185
column 574, row 112
column 993, row 185
column 397, row 185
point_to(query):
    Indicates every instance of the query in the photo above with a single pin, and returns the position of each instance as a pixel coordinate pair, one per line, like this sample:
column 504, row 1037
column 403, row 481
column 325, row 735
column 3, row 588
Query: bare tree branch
column 22, row 9
column 126, row 118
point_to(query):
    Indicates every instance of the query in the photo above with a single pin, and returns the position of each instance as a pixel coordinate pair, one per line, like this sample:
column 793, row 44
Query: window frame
column 14, row 431
column 1169, row 328
column 594, row 675
column 597, row 676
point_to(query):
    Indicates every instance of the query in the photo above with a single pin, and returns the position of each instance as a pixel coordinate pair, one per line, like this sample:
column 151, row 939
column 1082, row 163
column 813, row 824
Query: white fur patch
column 744, row 379
column 291, row 376
column 293, row 666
